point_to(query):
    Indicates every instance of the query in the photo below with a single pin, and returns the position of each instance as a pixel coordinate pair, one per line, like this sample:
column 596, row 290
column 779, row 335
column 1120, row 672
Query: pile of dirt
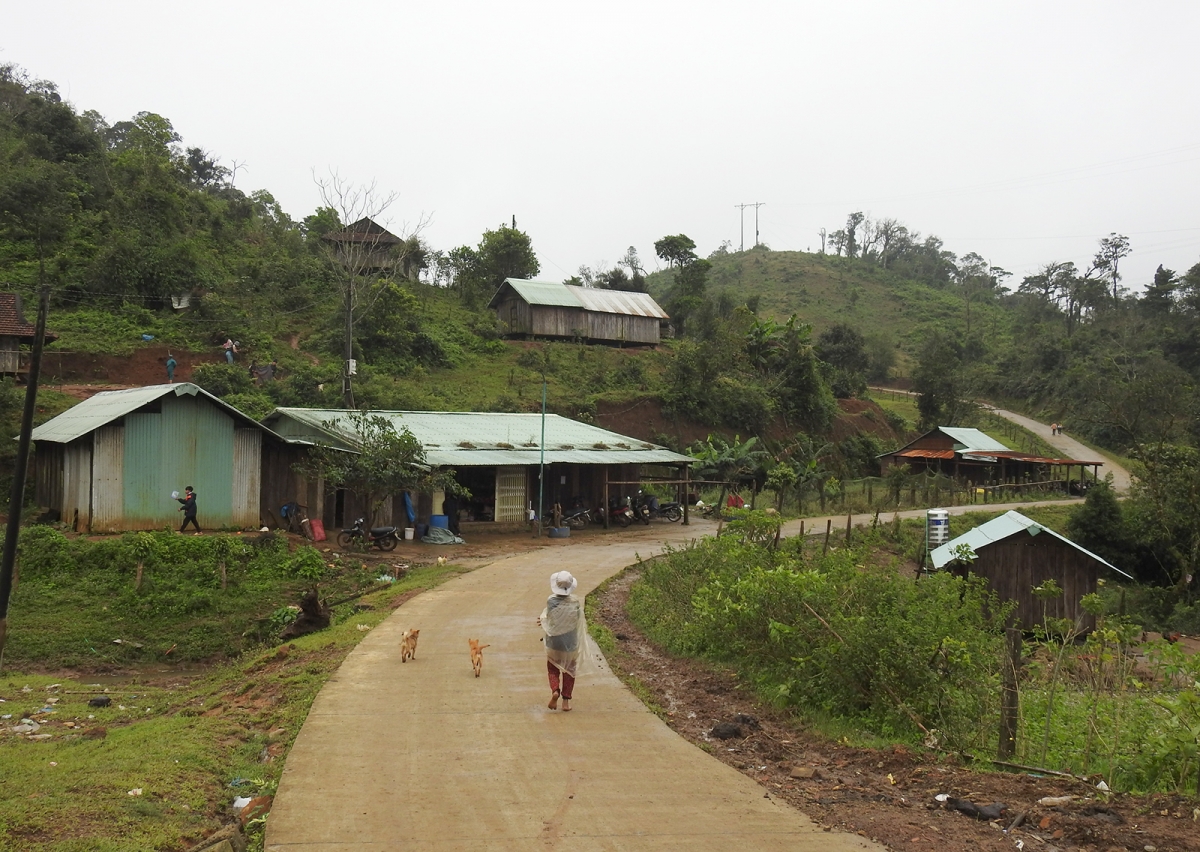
column 886, row 795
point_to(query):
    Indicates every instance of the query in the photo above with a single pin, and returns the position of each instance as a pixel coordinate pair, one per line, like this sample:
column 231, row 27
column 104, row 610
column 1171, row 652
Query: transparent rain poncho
column 566, row 633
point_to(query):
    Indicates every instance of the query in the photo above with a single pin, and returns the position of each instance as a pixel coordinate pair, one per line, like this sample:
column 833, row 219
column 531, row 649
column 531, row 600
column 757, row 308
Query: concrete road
column 1070, row 448
column 424, row 756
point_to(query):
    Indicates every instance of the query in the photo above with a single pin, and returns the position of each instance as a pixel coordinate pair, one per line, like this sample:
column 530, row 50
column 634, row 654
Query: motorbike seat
column 381, row 531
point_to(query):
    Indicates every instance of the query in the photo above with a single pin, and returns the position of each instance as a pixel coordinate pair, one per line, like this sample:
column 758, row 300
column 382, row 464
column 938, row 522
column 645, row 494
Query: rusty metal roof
column 558, row 294
column 924, row 454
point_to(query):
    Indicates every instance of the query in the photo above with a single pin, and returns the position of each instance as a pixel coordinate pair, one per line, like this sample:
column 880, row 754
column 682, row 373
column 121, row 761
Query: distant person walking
column 171, row 365
column 189, row 509
column 562, row 621
column 230, row 348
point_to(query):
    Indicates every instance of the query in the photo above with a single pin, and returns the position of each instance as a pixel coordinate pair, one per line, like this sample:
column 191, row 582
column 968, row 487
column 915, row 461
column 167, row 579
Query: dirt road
column 422, row 755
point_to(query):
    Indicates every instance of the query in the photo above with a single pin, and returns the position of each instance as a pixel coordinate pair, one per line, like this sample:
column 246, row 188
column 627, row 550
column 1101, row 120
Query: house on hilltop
column 968, row 455
column 365, row 246
column 1014, row 554
column 14, row 332
column 110, row 463
column 532, row 308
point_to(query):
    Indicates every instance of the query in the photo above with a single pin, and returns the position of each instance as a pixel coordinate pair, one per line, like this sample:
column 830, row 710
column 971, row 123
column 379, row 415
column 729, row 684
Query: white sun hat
column 562, row 583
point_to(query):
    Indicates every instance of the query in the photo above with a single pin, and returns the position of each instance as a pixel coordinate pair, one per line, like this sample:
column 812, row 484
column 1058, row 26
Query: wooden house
column 497, row 456
column 530, row 308
column 1015, row 554
column 365, row 247
column 111, row 463
column 14, row 332
column 970, row 456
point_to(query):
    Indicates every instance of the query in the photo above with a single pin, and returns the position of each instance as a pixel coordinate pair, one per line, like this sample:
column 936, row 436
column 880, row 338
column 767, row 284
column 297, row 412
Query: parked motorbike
column 385, row 538
column 618, row 512
column 671, row 511
column 577, row 518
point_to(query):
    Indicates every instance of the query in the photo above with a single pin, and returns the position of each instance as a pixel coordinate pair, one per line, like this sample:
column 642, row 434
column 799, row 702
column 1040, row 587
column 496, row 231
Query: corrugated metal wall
column 247, row 476
column 108, row 492
column 631, row 329
column 190, row 442
column 77, row 485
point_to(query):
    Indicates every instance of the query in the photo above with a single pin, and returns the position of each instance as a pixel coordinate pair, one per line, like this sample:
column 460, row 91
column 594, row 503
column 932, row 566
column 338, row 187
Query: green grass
column 190, row 748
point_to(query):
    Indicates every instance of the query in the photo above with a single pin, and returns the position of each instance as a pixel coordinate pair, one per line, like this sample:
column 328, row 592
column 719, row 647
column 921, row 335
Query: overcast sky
column 1024, row 131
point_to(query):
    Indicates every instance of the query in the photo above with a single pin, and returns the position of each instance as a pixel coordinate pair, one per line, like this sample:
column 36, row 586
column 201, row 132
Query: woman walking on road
column 562, row 621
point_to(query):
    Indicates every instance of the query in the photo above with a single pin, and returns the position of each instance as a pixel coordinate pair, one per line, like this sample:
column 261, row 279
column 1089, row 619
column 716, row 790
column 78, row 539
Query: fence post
column 828, row 530
column 1009, row 696
column 848, row 528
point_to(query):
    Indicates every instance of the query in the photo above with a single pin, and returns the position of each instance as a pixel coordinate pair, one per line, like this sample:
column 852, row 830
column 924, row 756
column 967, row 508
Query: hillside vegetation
column 124, row 222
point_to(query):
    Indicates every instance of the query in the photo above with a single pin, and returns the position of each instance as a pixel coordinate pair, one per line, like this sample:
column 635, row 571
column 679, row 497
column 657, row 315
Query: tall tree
column 677, row 250
column 1107, row 262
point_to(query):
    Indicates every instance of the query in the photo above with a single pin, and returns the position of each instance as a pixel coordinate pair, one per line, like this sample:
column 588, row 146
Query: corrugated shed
column 108, row 460
column 466, row 439
column 1009, row 524
column 247, row 476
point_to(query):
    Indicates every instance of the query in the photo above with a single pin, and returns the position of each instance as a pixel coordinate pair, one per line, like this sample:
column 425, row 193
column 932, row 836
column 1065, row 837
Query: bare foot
column 566, row 704
column 553, row 705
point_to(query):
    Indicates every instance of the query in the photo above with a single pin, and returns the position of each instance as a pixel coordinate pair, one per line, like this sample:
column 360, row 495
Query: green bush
column 830, row 633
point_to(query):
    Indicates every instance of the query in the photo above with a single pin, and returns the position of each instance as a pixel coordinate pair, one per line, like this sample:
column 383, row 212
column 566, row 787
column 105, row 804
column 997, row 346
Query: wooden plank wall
column 1015, row 565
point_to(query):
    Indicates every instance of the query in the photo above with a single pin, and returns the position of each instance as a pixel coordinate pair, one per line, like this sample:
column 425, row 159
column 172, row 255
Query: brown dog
column 477, row 655
column 408, row 645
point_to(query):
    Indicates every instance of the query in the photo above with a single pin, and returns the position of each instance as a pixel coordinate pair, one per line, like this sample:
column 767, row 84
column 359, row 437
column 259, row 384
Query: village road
column 1069, row 447
column 424, row 756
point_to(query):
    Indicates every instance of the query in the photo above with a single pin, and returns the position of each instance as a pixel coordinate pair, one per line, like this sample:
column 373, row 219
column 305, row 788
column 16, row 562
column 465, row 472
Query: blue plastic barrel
column 442, row 521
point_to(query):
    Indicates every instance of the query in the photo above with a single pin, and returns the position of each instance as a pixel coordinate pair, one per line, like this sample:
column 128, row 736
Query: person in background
column 171, row 365
column 562, row 622
column 230, row 348
column 189, row 509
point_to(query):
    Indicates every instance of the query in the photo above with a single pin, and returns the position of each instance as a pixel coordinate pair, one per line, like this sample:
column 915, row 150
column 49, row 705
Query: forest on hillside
column 125, row 223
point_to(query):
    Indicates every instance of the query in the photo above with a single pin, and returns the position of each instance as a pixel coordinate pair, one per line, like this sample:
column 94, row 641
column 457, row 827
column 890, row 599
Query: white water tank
column 937, row 527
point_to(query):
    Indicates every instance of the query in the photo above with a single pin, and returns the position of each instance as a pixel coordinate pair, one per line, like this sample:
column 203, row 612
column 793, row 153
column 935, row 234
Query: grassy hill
column 824, row 290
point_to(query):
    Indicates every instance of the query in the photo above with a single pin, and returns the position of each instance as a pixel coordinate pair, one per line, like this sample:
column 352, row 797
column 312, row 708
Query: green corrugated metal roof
column 537, row 292
column 480, row 439
column 107, row 406
column 998, row 529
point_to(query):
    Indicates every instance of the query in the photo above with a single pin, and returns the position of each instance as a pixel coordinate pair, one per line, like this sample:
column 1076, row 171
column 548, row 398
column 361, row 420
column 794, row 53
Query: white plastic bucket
column 408, row 533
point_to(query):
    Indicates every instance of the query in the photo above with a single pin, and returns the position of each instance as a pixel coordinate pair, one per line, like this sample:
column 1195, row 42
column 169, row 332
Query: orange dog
column 477, row 655
column 408, row 645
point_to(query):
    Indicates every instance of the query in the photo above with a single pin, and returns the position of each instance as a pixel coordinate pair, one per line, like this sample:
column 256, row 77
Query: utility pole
column 742, row 207
column 17, row 497
column 822, row 233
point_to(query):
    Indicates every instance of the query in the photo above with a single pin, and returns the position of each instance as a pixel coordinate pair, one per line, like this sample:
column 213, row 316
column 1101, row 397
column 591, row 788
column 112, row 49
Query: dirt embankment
column 83, row 374
column 887, row 795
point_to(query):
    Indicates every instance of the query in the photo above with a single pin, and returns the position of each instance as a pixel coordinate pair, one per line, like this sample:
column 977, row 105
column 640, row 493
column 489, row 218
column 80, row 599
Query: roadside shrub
column 306, row 564
column 43, row 550
column 855, row 641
